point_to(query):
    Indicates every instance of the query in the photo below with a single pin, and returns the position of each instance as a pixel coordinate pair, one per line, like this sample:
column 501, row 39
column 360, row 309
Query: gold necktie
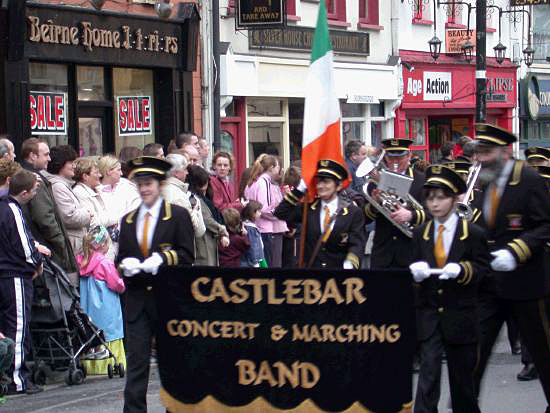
column 144, row 244
column 326, row 224
column 495, row 199
column 439, row 250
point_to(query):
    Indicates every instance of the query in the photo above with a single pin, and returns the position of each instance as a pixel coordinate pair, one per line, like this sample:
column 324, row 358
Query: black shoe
column 33, row 388
column 528, row 373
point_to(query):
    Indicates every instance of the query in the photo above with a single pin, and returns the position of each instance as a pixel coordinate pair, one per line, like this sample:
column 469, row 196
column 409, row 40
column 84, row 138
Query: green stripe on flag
column 321, row 38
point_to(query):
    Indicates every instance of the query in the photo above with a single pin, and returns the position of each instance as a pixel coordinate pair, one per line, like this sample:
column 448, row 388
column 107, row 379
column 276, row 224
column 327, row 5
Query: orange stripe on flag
column 326, row 146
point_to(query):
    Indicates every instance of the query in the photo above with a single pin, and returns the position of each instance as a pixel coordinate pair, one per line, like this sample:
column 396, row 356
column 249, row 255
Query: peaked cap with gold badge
column 396, row 147
column 493, row 135
column 148, row 167
column 543, row 171
column 439, row 176
column 461, row 167
column 327, row 168
column 537, row 152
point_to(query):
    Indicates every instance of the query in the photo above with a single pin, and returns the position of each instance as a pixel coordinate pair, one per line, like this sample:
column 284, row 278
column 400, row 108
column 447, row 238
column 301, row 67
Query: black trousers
column 533, row 320
column 461, row 363
column 140, row 330
column 15, row 317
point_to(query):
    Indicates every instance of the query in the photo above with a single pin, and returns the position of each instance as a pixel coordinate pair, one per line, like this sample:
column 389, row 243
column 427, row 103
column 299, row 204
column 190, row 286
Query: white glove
column 302, row 187
column 348, row 265
column 420, row 270
column 130, row 266
column 152, row 264
column 450, row 271
column 504, row 261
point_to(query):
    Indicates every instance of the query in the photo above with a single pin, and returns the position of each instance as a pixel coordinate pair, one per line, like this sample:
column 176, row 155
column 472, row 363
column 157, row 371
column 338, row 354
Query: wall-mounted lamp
column 163, row 8
column 97, row 4
column 468, row 50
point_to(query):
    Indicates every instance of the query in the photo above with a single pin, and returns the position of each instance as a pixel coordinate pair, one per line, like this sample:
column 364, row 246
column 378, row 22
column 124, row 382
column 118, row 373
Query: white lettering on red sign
column 48, row 113
column 134, row 115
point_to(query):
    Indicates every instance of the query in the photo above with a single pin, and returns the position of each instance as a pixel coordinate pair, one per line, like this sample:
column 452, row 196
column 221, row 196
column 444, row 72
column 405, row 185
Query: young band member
column 446, row 310
column 537, row 156
column 335, row 236
column 544, row 171
column 517, row 220
column 155, row 235
column 391, row 248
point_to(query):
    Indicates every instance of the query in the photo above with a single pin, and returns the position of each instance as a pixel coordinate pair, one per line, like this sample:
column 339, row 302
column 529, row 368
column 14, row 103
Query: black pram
column 61, row 332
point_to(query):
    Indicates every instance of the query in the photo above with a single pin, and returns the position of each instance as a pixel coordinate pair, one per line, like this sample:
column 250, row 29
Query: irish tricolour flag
column 321, row 138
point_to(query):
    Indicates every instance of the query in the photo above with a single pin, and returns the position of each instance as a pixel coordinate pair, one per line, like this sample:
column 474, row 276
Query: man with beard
column 517, row 220
column 391, row 248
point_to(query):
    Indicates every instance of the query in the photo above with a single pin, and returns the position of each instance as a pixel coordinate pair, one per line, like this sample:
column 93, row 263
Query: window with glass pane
column 417, row 131
column 45, row 77
column 352, row 110
column 264, row 107
column 377, row 110
column 295, row 127
column 90, row 135
column 532, row 130
column 545, row 130
column 376, row 133
column 541, row 31
column 352, row 131
column 90, row 82
column 137, row 85
column 265, row 137
column 331, row 6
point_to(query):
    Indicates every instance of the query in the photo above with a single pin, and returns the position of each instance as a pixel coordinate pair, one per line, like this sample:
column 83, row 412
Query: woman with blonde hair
column 86, row 175
column 263, row 187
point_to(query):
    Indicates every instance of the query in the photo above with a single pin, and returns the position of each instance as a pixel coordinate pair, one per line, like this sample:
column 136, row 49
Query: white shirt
column 155, row 212
column 501, row 185
column 448, row 232
column 332, row 207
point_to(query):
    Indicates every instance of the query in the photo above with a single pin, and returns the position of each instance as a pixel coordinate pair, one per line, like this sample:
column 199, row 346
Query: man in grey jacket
column 42, row 212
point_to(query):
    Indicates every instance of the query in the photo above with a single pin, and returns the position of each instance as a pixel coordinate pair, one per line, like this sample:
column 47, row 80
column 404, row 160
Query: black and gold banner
column 270, row 340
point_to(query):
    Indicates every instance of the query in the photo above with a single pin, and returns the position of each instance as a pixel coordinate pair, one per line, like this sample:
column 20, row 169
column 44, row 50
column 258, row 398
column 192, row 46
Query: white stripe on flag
column 19, row 333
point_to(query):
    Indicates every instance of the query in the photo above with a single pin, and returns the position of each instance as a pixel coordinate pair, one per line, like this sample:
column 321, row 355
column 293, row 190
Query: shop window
column 544, row 130
column 90, row 83
column 368, row 14
column 49, row 80
column 90, row 136
column 376, row 133
column 264, row 107
column 336, row 13
column 134, row 107
column 266, row 127
column 353, row 121
column 295, row 127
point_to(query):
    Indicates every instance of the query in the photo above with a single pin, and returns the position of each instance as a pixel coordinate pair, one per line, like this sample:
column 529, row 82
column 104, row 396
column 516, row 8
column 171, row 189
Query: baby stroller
column 61, row 332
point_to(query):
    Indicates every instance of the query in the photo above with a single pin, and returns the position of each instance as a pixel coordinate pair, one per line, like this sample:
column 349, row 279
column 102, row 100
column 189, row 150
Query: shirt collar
column 450, row 224
column 332, row 205
column 154, row 210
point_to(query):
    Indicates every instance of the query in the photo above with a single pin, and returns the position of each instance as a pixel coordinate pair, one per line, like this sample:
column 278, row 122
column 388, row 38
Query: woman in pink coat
column 224, row 194
column 263, row 187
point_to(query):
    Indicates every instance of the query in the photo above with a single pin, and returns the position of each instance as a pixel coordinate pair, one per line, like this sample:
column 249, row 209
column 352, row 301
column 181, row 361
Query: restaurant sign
column 48, row 111
column 134, row 115
column 301, row 38
column 260, row 13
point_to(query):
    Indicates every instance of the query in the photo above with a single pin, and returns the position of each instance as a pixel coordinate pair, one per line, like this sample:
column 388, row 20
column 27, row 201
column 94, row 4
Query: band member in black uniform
column 155, row 235
column 335, row 235
column 544, row 171
column 446, row 312
column 537, row 156
column 517, row 220
column 391, row 248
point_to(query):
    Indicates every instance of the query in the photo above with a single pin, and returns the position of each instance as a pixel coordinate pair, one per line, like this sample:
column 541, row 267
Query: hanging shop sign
column 48, row 112
column 78, row 35
column 276, row 341
column 528, row 2
column 437, row 86
column 537, row 97
column 301, row 38
column 134, row 115
column 260, row 13
column 456, row 38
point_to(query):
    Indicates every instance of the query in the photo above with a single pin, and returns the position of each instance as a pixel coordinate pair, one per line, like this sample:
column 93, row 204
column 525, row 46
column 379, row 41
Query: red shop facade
column 439, row 100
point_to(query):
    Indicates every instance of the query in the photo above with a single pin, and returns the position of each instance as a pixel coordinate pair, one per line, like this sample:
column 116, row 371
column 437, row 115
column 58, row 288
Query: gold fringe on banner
column 210, row 405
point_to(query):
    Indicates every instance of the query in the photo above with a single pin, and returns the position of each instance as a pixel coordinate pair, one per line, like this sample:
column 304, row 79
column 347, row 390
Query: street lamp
column 528, row 55
column 500, row 52
column 435, row 47
column 468, row 50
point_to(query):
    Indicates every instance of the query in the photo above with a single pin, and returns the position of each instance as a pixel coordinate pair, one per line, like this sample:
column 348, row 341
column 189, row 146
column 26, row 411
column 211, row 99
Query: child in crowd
column 230, row 256
column 7, row 352
column 254, row 256
column 100, row 286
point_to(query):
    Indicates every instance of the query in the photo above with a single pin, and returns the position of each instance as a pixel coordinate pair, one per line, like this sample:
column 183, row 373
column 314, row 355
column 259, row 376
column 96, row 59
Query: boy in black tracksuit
column 20, row 262
column 446, row 308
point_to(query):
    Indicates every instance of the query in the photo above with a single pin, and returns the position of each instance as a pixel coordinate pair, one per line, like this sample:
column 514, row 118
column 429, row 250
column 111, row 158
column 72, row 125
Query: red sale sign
column 134, row 115
column 48, row 113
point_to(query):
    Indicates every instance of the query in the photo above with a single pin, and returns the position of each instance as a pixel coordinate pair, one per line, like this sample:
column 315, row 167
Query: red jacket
column 230, row 256
column 224, row 195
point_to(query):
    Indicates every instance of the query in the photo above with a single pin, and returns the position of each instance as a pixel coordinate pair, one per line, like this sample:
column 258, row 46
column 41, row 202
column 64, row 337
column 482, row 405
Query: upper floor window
column 422, row 13
column 368, row 12
column 336, row 10
column 454, row 13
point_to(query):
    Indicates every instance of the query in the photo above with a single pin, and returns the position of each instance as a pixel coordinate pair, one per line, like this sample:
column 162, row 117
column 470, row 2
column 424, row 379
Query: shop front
column 535, row 110
column 263, row 96
column 96, row 80
column 439, row 100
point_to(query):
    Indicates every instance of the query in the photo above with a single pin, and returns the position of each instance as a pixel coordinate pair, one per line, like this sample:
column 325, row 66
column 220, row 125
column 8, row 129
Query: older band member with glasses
column 391, row 247
column 517, row 220
column 335, row 236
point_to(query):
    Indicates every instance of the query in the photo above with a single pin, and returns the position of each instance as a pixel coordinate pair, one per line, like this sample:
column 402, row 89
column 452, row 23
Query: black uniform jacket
column 451, row 304
column 346, row 240
column 391, row 248
column 173, row 240
column 522, row 227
